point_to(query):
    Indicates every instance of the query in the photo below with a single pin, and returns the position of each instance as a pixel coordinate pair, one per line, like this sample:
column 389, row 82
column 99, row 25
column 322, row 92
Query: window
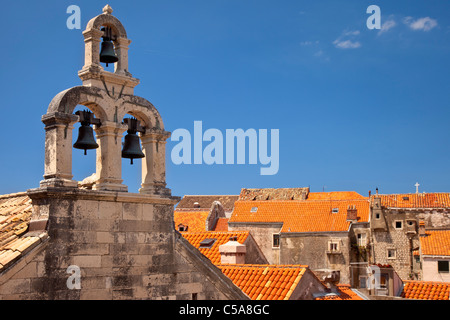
column 335, row 210
column 361, row 239
column 363, row 282
column 377, row 215
column 333, row 246
column 391, row 253
column 207, row 243
column 254, row 209
column 182, row 227
column 443, row 266
column 398, row 224
column 276, row 241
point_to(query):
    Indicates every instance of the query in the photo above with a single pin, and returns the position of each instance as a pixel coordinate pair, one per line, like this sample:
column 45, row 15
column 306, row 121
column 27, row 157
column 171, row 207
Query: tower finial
column 107, row 9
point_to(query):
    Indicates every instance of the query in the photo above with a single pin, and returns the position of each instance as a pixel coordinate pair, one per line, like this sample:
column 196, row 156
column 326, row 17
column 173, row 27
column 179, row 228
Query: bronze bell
column 107, row 53
column 132, row 147
column 86, row 140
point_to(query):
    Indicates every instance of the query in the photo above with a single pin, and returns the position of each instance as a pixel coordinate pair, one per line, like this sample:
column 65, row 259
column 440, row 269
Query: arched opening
column 83, row 165
column 108, row 48
column 132, row 146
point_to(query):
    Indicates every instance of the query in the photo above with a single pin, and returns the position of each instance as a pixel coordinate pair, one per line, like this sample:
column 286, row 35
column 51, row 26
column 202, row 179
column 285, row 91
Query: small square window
column 276, row 241
column 254, row 209
column 335, row 210
column 443, row 266
column 377, row 216
column 361, row 239
column 398, row 224
column 391, row 253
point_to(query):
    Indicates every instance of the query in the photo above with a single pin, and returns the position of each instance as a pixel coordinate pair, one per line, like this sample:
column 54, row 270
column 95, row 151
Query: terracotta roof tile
column 15, row 216
column 194, row 220
column 301, row 216
column 426, row 290
column 213, row 253
column 436, row 242
column 221, row 225
column 335, row 195
column 269, row 283
column 415, row 200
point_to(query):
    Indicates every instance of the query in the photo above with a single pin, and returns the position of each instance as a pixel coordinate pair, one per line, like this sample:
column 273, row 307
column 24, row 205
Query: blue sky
column 356, row 108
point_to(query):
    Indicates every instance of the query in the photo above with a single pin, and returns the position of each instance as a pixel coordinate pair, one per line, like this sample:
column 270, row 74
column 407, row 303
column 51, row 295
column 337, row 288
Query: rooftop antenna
column 417, row 187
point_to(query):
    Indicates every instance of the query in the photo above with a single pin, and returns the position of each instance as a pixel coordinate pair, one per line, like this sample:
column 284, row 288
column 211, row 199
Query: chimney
column 352, row 213
column 422, row 228
column 232, row 252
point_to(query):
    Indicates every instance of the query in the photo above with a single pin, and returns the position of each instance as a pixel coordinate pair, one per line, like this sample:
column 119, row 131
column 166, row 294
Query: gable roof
column 415, row 200
column 265, row 282
column 425, row 290
column 435, row 243
column 194, row 220
column 212, row 253
column 205, row 202
column 301, row 216
column 15, row 216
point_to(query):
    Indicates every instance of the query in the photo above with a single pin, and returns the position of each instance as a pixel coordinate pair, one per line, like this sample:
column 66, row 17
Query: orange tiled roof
column 436, row 243
column 213, row 253
column 15, row 216
column 426, row 290
column 195, row 220
column 221, row 225
column 265, row 282
column 301, row 216
column 344, row 293
column 335, row 195
column 415, row 200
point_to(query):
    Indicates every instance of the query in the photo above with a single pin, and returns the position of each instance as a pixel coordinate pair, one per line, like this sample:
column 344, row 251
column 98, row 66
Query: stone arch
column 143, row 110
column 107, row 19
column 91, row 97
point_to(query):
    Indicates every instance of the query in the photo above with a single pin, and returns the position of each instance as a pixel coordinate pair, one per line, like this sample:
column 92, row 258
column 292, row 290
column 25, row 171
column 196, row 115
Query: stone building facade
column 293, row 226
column 395, row 221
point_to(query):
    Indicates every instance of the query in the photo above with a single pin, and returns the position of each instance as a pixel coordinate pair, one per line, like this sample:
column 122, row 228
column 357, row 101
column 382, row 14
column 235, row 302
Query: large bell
column 107, row 53
column 132, row 147
column 85, row 139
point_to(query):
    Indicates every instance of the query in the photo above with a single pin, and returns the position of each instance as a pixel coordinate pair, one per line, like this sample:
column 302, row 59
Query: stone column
column 121, row 47
column 109, row 160
column 154, row 163
column 92, row 48
column 58, row 150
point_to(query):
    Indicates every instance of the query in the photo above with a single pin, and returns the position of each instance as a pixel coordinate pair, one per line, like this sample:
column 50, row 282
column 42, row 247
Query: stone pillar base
column 57, row 182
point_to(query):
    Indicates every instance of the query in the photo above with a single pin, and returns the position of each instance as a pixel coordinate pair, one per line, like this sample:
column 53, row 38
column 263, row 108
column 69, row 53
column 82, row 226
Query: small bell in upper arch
column 107, row 53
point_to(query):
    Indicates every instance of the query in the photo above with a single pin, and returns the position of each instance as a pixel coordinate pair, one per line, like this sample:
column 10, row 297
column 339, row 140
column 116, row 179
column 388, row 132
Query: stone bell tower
column 110, row 96
column 104, row 242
